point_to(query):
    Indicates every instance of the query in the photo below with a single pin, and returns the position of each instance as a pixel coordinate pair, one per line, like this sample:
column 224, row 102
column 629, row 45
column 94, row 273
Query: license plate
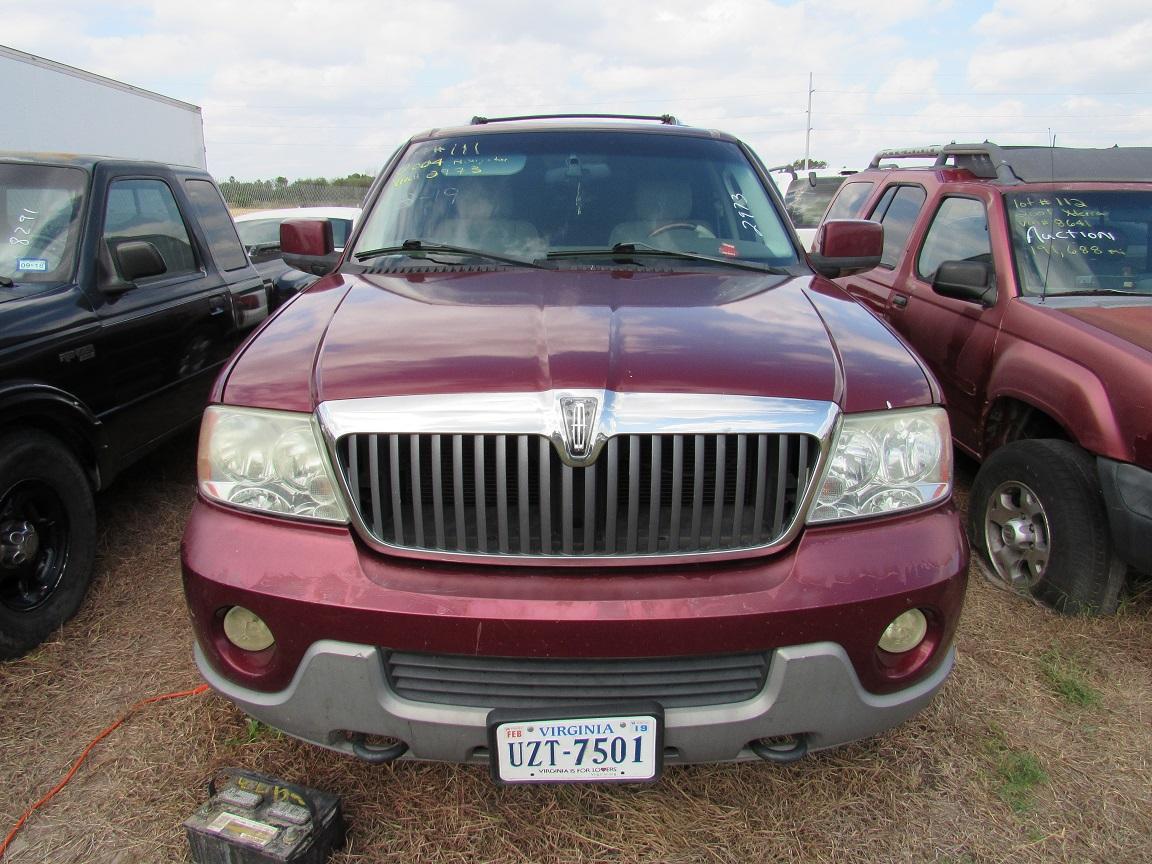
column 598, row 747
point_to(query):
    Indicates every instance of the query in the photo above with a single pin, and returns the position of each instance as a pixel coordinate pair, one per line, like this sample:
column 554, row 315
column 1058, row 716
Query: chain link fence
column 245, row 196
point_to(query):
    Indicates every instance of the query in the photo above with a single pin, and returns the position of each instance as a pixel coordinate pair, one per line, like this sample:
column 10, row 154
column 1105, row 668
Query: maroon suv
column 574, row 468
column 1023, row 276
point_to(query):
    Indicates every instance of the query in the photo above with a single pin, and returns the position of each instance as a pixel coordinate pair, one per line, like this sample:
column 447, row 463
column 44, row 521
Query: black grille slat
column 508, row 682
column 502, row 491
column 544, row 505
column 523, row 500
column 761, row 486
column 654, row 508
column 437, row 492
column 677, row 492
column 374, row 485
column 458, row 490
column 513, row 495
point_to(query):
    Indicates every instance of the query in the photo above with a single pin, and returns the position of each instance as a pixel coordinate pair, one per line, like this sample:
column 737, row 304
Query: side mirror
column 135, row 259
column 966, row 280
column 307, row 245
column 846, row 246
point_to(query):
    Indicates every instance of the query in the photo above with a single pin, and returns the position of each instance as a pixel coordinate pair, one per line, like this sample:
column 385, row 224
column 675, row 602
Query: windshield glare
column 1081, row 242
column 528, row 195
column 40, row 209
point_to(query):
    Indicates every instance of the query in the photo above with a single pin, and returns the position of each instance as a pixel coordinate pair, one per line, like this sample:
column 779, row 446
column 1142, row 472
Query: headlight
column 885, row 462
column 270, row 461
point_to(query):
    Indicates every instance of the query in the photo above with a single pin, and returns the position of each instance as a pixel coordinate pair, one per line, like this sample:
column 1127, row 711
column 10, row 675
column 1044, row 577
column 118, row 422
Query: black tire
column 1037, row 515
column 47, row 539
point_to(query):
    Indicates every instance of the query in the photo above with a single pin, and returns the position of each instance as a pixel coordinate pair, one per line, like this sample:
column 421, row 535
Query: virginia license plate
column 586, row 749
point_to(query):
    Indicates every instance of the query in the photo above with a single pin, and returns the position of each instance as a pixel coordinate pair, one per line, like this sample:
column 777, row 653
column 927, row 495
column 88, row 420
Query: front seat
column 476, row 224
column 663, row 209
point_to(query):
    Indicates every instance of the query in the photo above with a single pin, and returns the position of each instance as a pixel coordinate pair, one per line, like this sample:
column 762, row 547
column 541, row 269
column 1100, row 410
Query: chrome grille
column 495, row 682
column 514, row 495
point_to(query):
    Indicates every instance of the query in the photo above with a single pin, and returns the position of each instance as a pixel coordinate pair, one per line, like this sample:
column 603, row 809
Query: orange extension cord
column 195, row 691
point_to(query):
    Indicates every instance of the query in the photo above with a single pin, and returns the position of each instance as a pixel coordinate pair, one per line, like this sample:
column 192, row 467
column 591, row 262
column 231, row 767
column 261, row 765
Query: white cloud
column 312, row 88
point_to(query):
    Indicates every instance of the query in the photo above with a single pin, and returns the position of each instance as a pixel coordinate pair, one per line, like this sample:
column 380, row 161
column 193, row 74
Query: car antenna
column 1051, row 216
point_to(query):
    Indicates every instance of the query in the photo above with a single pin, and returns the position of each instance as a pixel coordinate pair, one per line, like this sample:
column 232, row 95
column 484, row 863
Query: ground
column 1038, row 749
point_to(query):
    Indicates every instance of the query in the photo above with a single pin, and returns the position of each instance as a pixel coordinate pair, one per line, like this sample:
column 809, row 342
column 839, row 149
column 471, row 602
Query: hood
column 505, row 330
column 1130, row 323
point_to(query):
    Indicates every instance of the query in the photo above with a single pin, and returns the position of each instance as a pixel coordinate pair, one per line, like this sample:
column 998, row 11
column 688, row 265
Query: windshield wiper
column 632, row 249
column 5, row 282
column 420, row 248
column 1089, row 292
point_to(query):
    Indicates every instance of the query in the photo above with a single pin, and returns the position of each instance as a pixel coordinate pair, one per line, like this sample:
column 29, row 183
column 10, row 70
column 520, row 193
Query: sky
column 326, row 88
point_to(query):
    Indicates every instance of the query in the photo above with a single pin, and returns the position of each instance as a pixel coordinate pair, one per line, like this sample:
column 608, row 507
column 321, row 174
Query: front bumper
column 811, row 690
column 818, row 608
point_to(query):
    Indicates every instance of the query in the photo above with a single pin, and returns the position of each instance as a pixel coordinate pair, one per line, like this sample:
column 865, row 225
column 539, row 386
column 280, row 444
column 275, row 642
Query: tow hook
column 782, row 750
column 373, row 754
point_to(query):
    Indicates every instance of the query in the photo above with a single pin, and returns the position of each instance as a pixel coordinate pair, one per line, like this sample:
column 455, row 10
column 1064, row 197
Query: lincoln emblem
column 579, row 419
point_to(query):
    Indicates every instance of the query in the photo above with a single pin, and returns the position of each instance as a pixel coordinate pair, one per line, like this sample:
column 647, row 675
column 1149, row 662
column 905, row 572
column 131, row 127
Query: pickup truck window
column 959, row 232
column 897, row 211
column 146, row 210
column 40, row 211
column 1082, row 242
column 528, row 196
column 218, row 225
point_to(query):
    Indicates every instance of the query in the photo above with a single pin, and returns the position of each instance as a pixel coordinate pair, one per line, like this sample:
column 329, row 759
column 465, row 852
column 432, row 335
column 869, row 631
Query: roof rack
column 1011, row 165
column 666, row 119
column 930, row 152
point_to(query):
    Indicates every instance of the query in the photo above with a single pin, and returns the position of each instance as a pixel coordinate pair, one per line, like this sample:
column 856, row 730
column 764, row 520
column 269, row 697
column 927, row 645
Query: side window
column 959, row 232
column 849, row 200
column 221, row 232
column 146, row 210
column 897, row 212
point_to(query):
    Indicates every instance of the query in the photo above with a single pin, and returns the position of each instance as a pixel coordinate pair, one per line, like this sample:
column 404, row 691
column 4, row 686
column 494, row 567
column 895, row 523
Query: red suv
column 1023, row 277
column 573, row 468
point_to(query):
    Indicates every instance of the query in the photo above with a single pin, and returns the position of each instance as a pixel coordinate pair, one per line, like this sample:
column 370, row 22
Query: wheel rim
column 1016, row 534
column 33, row 544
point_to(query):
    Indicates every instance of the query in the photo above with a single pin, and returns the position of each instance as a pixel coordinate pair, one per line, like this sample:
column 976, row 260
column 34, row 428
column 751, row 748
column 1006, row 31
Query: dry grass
column 1003, row 766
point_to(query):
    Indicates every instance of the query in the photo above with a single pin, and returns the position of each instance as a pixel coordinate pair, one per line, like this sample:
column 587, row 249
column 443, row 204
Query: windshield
column 1082, row 242
column 531, row 195
column 40, row 209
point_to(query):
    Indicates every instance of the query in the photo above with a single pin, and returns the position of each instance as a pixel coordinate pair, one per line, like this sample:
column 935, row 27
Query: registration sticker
column 593, row 748
column 32, row 265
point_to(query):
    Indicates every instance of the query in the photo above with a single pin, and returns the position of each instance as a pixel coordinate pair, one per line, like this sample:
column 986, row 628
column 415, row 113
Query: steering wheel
column 690, row 226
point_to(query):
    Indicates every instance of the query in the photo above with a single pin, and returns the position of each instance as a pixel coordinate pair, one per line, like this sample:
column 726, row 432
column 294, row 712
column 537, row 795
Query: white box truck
column 50, row 107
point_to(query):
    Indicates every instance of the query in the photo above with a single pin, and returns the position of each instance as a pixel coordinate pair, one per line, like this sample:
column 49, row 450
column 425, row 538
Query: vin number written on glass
column 585, row 749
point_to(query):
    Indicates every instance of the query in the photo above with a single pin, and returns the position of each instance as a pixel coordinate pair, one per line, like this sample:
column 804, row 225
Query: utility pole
column 808, row 133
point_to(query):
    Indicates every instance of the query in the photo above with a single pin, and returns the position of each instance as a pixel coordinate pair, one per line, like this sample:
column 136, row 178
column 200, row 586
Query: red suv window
column 897, row 212
column 850, row 199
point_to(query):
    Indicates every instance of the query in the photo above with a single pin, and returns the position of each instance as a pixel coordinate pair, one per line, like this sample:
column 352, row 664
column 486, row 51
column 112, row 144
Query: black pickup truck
column 123, row 288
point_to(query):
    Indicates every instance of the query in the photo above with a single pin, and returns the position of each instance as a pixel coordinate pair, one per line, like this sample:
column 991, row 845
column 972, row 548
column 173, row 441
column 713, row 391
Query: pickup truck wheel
column 47, row 539
column 1037, row 514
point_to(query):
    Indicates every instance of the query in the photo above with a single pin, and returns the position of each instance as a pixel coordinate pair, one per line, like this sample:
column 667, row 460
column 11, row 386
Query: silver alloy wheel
column 1016, row 534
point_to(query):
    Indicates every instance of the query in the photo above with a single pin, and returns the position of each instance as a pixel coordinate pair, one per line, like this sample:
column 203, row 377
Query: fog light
column 905, row 632
column 247, row 630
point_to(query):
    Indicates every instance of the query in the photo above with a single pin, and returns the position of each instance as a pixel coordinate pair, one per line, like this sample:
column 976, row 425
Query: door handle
column 217, row 305
column 900, row 301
